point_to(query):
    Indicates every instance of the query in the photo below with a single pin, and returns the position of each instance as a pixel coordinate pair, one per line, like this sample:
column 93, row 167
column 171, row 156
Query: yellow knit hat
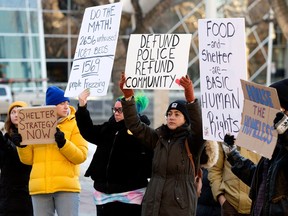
column 18, row 104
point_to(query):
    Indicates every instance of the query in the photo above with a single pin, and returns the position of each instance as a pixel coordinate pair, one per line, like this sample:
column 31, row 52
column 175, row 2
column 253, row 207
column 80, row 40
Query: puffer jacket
column 14, row 178
column 223, row 181
column 171, row 190
column 55, row 169
column 120, row 163
column 276, row 192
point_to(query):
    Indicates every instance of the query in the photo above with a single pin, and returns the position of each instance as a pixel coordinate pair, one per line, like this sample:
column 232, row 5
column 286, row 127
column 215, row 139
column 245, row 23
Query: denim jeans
column 65, row 204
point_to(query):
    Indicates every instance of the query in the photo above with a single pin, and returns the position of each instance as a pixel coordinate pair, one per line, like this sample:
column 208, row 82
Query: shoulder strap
column 190, row 155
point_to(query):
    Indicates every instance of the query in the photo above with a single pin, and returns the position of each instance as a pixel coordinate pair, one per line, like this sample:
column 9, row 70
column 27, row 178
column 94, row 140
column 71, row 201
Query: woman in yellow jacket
column 54, row 180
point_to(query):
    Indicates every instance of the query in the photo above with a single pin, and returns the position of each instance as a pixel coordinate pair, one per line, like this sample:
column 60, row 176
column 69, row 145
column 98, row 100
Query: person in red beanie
column 14, row 175
column 171, row 190
column 268, row 180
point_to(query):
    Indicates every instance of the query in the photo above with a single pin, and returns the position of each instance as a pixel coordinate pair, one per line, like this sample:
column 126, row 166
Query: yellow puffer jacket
column 55, row 169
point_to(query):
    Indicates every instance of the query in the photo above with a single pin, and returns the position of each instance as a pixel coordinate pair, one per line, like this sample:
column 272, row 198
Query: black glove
column 281, row 122
column 228, row 144
column 60, row 138
column 17, row 139
column 3, row 139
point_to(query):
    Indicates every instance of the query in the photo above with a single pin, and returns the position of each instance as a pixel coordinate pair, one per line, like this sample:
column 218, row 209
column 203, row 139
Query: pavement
column 87, row 206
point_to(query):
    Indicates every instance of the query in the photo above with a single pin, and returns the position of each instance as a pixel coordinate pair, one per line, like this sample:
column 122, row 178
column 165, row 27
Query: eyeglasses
column 117, row 109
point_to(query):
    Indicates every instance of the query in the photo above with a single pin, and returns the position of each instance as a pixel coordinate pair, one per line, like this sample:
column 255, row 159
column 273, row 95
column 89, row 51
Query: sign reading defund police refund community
column 157, row 61
column 222, row 58
column 95, row 51
column 257, row 132
column 37, row 125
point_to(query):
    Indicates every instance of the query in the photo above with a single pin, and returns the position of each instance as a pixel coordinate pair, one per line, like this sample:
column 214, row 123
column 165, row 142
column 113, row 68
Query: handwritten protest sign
column 222, row 58
column 37, row 125
column 260, row 107
column 95, row 51
column 157, row 61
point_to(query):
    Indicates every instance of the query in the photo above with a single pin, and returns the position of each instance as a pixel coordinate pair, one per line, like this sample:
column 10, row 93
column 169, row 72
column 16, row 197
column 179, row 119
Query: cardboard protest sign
column 157, row 61
column 95, row 51
column 37, row 125
column 257, row 132
column 222, row 58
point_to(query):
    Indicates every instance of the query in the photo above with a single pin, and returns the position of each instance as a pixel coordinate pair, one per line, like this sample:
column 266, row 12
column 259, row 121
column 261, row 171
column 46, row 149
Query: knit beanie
column 282, row 91
column 16, row 104
column 179, row 105
column 55, row 96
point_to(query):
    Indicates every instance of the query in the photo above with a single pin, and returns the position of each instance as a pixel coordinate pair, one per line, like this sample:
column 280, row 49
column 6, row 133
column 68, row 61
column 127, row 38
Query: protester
column 228, row 189
column 121, row 165
column 268, row 179
column 54, row 181
column 206, row 204
column 14, row 175
column 171, row 190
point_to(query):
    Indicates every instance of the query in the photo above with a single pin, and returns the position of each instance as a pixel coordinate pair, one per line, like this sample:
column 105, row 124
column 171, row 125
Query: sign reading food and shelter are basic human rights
column 222, row 58
column 157, row 61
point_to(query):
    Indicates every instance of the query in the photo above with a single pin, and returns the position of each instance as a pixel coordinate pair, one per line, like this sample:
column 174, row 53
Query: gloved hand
column 126, row 92
column 59, row 138
column 3, row 139
column 187, row 84
column 16, row 138
column 83, row 97
column 281, row 122
column 228, row 144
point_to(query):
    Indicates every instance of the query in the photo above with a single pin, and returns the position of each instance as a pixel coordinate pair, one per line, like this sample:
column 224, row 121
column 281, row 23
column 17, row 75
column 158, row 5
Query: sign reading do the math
column 157, row 61
column 257, row 131
column 222, row 58
column 95, row 51
column 37, row 125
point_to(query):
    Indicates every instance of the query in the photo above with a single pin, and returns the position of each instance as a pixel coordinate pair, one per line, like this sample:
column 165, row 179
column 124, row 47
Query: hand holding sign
column 83, row 97
column 187, row 84
column 126, row 92
column 228, row 144
column 60, row 138
column 17, row 139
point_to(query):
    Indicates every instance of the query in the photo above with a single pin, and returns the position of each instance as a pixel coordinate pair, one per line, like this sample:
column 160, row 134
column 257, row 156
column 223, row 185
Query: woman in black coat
column 121, row 166
column 14, row 176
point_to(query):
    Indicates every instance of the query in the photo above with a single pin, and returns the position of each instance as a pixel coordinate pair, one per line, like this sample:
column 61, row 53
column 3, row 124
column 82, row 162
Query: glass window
column 14, row 47
column 34, row 22
column 56, row 47
column 19, row 3
column 13, row 22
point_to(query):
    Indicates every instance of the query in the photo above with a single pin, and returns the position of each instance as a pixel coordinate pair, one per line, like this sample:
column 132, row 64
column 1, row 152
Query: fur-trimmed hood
column 209, row 154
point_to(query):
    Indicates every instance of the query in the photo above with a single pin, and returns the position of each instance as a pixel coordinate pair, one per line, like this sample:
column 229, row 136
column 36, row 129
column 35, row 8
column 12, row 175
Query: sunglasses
column 117, row 109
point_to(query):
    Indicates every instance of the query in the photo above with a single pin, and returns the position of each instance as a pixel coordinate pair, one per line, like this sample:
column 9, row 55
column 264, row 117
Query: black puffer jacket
column 276, row 192
column 14, row 178
column 120, row 163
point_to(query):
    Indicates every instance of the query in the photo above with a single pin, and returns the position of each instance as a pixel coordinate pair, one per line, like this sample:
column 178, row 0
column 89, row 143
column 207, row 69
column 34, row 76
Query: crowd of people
column 138, row 170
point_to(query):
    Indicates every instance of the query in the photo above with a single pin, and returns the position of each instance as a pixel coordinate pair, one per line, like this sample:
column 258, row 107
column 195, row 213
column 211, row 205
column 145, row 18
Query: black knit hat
column 282, row 91
column 179, row 105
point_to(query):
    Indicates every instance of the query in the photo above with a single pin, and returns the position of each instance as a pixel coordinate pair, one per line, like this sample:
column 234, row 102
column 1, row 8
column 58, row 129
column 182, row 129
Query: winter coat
column 171, row 190
column 276, row 192
column 55, row 169
column 223, row 181
column 14, row 178
column 120, row 163
column 206, row 205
